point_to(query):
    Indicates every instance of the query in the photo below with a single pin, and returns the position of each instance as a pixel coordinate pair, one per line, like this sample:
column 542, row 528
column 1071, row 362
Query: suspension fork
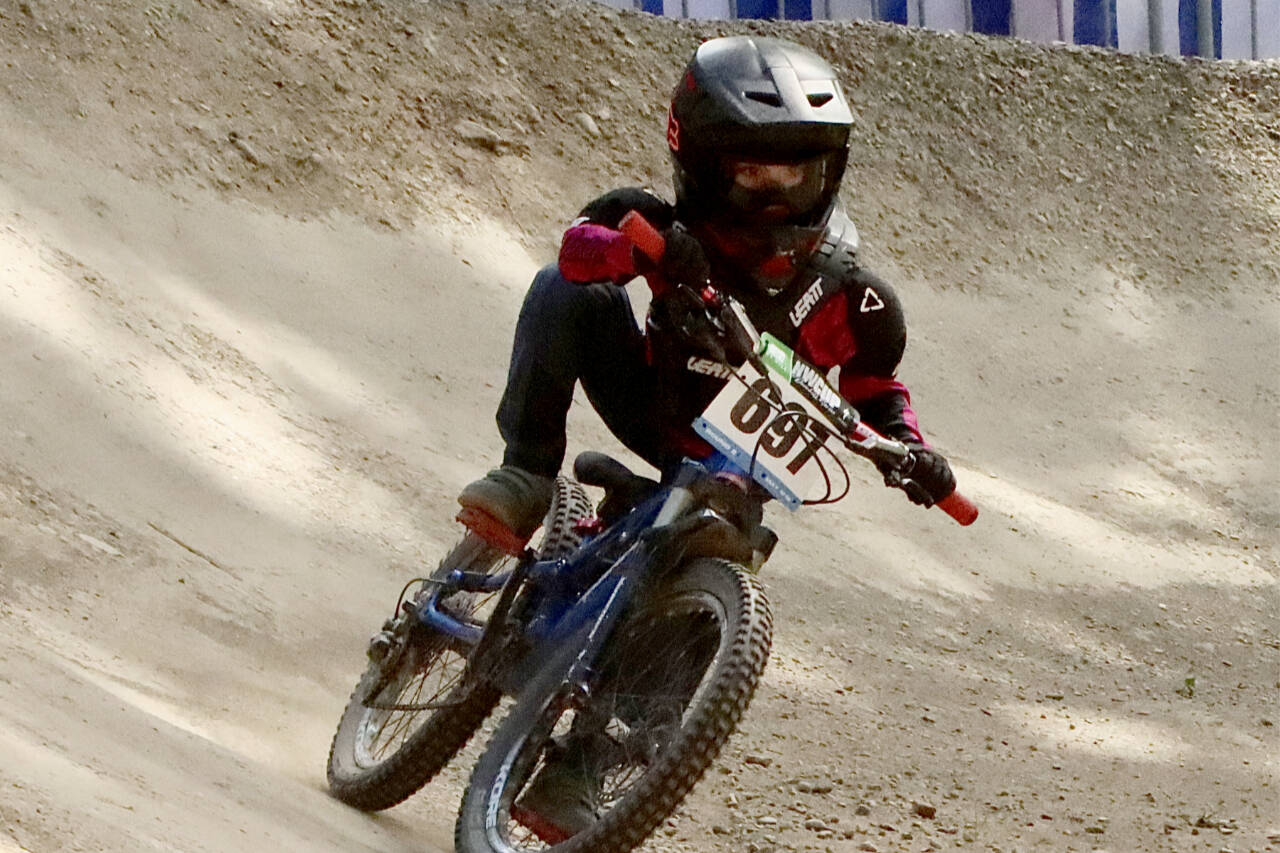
column 484, row 661
column 676, row 503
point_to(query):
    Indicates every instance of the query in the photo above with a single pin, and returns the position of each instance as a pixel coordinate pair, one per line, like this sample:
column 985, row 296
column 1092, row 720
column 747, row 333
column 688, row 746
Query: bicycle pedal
column 492, row 530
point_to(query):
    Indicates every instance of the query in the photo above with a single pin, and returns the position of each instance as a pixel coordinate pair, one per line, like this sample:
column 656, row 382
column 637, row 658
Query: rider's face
column 766, row 192
column 753, row 176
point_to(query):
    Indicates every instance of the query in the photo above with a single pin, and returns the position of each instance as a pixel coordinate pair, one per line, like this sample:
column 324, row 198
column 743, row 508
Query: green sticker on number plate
column 777, row 356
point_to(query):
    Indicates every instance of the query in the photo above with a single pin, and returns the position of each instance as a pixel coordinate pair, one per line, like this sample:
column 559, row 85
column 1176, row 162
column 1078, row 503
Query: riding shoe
column 560, row 800
column 513, row 496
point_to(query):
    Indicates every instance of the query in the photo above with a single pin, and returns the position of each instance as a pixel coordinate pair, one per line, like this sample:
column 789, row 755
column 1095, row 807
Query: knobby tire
column 439, row 734
column 710, row 717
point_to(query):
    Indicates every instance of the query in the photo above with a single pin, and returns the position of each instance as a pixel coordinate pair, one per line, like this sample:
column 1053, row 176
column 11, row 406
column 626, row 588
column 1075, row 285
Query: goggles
column 766, row 192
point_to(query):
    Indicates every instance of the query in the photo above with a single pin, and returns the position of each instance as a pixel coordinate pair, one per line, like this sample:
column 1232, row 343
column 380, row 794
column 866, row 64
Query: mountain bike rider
column 759, row 136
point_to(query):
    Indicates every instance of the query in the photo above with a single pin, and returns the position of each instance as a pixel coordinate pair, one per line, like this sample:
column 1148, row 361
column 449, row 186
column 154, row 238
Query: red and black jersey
column 834, row 314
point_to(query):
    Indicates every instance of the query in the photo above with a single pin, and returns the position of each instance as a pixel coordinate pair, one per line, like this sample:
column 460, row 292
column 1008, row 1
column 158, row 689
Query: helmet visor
column 774, row 192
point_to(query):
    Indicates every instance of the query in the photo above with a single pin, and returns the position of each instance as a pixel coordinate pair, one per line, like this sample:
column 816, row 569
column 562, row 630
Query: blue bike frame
column 565, row 620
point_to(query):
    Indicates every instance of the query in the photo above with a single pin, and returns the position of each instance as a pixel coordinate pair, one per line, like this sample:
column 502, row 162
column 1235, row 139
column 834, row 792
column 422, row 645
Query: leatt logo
column 708, row 367
column 802, row 308
column 673, row 130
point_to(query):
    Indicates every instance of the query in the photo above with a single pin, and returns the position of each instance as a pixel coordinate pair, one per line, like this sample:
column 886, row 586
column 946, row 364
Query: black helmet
column 764, row 101
column 759, row 138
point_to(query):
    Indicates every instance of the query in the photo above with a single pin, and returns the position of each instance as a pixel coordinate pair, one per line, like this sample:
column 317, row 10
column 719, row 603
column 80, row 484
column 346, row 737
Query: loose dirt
column 261, row 261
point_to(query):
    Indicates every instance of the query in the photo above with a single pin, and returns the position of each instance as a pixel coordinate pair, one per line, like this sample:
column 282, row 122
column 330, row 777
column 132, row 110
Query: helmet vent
column 818, row 99
column 772, row 99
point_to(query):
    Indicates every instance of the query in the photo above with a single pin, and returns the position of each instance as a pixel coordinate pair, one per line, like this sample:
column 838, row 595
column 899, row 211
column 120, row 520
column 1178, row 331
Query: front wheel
column 673, row 683
column 413, row 709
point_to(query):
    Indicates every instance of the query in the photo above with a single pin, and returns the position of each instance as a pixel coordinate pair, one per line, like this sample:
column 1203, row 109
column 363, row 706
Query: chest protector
column 688, row 380
column 825, row 274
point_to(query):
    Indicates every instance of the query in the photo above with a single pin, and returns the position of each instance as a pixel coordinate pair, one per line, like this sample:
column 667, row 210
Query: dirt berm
column 259, row 265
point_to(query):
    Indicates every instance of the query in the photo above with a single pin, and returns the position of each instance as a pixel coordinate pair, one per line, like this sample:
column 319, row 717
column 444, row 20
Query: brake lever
column 894, row 479
column 956, row 505
column 742, row 333
column 699, row 322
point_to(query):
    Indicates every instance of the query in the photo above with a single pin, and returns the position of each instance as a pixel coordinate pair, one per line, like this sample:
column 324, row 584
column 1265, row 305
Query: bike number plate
column 772, row 422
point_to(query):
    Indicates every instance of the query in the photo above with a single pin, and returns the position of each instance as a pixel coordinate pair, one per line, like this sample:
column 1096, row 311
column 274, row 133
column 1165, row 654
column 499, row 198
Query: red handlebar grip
column 960, row 508
column 645, row 237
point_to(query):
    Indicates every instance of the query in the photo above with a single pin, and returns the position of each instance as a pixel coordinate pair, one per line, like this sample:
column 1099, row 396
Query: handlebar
column 643, row 235
column 856, row 434
column 956, row 505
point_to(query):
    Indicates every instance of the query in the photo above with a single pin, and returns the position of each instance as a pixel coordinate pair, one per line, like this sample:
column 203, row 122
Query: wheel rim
column 423, row 676
column 662, row 668
column 429, row 668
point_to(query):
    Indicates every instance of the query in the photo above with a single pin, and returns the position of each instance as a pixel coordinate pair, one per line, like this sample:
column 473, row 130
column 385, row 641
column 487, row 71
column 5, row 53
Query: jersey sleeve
column 868, row 376
column 593, row 249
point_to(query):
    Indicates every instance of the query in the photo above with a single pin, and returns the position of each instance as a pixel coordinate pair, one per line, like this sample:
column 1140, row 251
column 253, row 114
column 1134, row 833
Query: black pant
column 569, row 333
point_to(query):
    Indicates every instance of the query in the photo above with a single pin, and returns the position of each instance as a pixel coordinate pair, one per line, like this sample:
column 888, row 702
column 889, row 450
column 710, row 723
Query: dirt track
column 260, row 265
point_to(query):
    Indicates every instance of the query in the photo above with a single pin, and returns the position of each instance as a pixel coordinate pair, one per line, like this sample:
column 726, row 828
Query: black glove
column 683, row 262
column 928, row 478
column 681, row 314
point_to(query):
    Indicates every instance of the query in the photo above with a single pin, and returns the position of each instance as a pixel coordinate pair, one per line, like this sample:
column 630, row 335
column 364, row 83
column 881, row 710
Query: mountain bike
column 632, row 637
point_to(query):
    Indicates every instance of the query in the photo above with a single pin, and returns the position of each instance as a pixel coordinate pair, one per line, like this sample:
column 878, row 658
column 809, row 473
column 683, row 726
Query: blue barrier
column 1235, row 29
column 993, row 17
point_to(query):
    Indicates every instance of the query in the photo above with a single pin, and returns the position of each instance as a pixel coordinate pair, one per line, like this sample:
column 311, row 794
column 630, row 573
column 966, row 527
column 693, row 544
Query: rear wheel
column 674, row 682
column 412, row 710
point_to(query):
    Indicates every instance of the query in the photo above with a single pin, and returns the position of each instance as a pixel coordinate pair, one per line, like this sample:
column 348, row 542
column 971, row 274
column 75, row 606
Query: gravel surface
column 261, row 263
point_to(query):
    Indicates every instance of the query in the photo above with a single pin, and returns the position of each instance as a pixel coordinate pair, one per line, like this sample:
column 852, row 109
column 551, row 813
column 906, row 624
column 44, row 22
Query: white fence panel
column 1133, row 33
column 945, row 15
column 855, row 10
column 1040, row 20
column 1268, row 28
column 1162, row 28
column 1237, row 29
column 709, row 8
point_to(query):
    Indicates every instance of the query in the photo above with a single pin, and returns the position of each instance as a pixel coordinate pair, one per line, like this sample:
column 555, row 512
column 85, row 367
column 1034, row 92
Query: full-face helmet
column 759, row 137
